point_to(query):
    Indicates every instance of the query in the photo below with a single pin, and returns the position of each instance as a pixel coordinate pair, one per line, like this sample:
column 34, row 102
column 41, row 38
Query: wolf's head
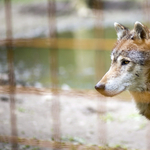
column 130, row 66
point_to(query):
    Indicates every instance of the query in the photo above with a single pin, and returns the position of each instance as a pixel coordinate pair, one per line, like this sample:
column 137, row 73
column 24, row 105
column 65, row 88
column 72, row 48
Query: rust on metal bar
column 10, row 61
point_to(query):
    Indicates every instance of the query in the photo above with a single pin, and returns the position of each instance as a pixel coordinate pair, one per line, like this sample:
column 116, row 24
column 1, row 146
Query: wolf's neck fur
column 142, row 100
column 141, row 97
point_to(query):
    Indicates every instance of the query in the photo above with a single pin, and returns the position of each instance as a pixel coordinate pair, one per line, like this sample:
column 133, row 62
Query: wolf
column 130, row 66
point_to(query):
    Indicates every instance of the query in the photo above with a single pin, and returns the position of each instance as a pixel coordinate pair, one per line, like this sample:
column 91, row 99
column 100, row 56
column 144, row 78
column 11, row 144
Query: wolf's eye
column 125, row 62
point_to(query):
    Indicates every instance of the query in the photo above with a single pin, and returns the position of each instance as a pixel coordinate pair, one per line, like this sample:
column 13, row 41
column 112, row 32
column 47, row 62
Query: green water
column 76, row 68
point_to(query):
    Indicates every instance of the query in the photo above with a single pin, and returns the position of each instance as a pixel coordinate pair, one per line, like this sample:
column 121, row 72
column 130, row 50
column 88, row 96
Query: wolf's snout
column 100, row 86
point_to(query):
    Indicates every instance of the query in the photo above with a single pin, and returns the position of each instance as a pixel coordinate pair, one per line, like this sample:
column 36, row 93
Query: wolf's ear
column 141, row 31
column 121, row 30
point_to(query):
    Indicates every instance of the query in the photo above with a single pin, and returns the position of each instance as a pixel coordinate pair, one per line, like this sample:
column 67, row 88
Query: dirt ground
column 80, row 121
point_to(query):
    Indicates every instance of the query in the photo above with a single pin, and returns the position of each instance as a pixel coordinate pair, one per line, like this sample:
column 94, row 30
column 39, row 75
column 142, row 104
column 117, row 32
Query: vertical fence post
column 146, row 11
column 55, row 108
column 99, row 61
column 10, row 60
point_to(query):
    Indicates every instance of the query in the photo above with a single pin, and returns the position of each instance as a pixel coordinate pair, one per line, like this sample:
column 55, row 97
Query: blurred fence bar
column 43, row 91
column 62, row 43
column 55, row 108
column 52, row 18
column 11, row 73
column 146, row 11
column 50, row 144
column 99, row 63
column 8, row 19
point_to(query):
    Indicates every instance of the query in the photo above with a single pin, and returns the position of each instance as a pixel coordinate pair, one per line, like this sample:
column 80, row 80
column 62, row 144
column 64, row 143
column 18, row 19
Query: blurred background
column 52, row 53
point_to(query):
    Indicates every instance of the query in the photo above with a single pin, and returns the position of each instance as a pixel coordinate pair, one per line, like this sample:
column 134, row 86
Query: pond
column 76, row 68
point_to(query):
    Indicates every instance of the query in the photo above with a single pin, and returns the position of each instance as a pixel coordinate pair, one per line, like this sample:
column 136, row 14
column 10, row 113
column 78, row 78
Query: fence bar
column 55, row 108
column 13, row 118
column 63, row 43
column 52, row 19
column 146, row 11
column 99, row 59
column 52, row 144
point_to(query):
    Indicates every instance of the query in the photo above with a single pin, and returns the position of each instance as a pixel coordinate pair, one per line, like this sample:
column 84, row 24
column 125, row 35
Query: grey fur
column 132, row 47
column 121, row 30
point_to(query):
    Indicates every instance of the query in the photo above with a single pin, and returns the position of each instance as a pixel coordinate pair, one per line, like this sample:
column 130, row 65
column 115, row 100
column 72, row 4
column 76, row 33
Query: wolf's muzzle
column 100, row 87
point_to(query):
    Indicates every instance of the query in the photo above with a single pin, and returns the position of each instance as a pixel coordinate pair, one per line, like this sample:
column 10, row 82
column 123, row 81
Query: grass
column 20, row 109
column 107, row 117
column 73, row 139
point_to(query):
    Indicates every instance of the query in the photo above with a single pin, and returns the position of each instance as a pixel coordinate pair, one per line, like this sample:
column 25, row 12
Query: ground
column 80, row 120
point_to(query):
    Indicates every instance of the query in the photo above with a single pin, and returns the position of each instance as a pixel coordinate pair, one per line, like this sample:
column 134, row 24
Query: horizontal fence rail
column 43, row 91
column 62, row 43
column 89, row 94
column 53, row 144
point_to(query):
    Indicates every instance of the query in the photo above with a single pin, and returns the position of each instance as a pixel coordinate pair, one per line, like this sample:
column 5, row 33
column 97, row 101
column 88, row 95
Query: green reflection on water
column 76, row 68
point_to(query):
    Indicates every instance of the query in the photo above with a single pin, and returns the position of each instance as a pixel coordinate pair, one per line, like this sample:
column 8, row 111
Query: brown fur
column 134, row 46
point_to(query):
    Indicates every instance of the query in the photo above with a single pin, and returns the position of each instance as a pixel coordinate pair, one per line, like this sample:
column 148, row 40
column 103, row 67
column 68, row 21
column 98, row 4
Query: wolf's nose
column 100, row 86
